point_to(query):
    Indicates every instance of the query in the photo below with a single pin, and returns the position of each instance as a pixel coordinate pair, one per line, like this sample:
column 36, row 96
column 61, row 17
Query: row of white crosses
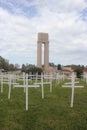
column 56, row 76
column 12, row 78
column 26, row 85
column 3, row 80
column 72, row 85
column 48, row 81
column 37, row 84
column 8, row 79
column 85, row 76
column 60, row 77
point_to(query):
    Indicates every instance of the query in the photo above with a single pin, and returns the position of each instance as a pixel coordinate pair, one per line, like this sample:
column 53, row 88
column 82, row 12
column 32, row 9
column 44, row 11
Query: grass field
column 51, row 113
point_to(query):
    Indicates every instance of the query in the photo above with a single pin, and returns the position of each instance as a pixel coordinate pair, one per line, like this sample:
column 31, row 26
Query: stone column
column 46, row 56
column 39, row 54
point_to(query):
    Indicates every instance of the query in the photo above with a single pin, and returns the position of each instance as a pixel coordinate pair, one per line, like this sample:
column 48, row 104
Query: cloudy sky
column 64, row 20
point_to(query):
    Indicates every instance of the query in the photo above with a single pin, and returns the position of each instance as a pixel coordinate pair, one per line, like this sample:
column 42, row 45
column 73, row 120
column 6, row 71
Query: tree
column 4, row 64
column 79, row 72
column 23, row 69
column 51, row 64
column 59, row 67
column 34, row 70
column 11, row 67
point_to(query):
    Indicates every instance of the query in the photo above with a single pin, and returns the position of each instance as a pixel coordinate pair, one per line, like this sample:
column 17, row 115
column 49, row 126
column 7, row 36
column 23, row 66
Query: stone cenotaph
column 43, row 39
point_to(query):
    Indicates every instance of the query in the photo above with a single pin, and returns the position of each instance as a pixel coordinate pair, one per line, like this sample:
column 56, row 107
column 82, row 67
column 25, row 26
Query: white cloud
column 61, row 19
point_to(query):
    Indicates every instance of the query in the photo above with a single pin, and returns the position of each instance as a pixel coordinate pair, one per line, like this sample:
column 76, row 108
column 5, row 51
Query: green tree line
column 6, row 66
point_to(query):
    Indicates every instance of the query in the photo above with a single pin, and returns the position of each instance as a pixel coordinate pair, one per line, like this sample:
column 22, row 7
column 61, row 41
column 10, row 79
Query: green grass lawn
column 51, row 113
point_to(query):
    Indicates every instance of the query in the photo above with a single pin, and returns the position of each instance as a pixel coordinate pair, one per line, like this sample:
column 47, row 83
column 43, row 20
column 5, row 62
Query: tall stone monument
column 43, row 39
